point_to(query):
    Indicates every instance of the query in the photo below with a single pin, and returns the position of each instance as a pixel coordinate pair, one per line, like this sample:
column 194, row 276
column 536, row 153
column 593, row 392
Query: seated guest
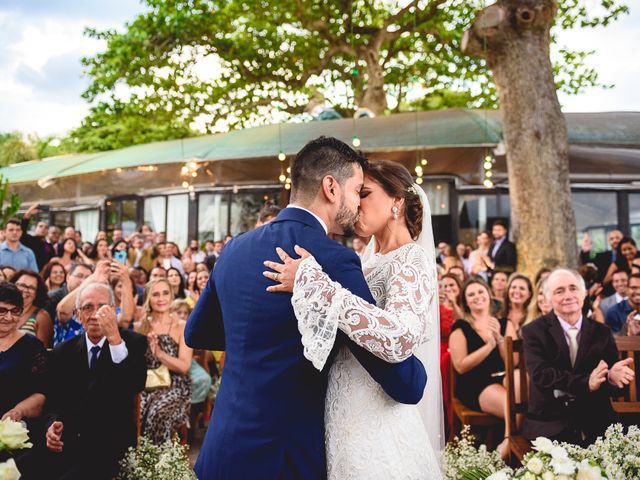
column 477, row 351
column 499, row 282
column 99, row 251
column 94, row 380
column 479, row 259
column 202, row 277
column 23, row 363
column 157, row 273
column 70, row 254
column 176, row 280
column 572, row 366
column 165, row 409
column 541, row 306
column 458, row 271
column 620, row 282
column 621, row 315
column 35, row 319
column 517, row 300
column 542, row 274
column 54, row 276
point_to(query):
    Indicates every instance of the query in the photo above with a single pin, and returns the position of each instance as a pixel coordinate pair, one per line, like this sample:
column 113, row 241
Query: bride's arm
column 322, row 306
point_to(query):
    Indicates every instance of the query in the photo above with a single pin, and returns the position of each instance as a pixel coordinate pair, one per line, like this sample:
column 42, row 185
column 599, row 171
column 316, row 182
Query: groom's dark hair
column 319, row 158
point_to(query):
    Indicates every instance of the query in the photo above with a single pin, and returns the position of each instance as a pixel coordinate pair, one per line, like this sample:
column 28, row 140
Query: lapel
column 82, row 359
column 558, row 337
column 299, row 215
column 586, row 337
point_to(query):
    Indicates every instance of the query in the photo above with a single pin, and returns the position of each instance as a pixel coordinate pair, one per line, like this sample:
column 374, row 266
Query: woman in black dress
column 477, row 351
column 23, row 361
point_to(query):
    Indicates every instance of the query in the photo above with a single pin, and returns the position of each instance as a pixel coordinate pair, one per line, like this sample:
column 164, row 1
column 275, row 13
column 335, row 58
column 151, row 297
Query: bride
column 369, row 435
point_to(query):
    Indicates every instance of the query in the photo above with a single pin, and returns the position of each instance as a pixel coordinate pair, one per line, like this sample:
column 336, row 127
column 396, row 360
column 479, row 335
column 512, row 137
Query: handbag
column 158, row 378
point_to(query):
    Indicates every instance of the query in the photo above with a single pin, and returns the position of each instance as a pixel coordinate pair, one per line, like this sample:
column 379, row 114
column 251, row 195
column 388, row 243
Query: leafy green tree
column 229, row 63
column 9, row 202
column 16, row 150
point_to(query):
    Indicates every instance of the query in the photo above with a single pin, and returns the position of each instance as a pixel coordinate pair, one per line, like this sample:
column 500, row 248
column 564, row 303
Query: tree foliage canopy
column 230, row 63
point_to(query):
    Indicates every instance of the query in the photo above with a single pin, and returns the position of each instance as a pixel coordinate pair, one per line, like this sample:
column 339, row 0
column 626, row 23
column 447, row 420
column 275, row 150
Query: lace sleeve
column 322, row 306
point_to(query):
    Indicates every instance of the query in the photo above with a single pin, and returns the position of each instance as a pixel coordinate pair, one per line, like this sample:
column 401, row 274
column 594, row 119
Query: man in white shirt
column 95, row 378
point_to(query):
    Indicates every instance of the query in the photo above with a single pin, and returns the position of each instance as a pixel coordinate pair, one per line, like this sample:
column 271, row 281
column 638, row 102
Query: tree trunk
column 514, row 37
column 373, row 96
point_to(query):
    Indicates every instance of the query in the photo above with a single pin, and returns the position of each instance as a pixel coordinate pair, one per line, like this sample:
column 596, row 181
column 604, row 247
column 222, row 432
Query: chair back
column 515, row 362
column 628, row 347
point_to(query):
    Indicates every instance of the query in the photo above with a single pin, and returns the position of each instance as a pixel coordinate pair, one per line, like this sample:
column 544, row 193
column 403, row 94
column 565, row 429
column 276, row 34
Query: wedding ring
column 277, row 276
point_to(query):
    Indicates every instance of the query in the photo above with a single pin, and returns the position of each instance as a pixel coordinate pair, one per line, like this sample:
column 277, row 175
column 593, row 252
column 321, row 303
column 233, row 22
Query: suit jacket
column 96, row 408
column 607, row 303
column 505, row 258
column 269, row 417
column 42, row 249
column 549, row 368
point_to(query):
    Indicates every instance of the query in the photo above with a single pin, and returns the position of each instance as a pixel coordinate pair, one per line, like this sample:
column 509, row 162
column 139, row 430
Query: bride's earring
column 394, row 211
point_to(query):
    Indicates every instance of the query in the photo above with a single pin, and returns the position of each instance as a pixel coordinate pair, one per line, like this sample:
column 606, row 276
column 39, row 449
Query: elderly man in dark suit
column 572, row 366
column 95, row 378
column 502, row 251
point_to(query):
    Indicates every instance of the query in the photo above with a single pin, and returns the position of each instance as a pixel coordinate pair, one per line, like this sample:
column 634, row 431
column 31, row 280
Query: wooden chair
column 518, row 445
column 465, row 416
column 628, row 347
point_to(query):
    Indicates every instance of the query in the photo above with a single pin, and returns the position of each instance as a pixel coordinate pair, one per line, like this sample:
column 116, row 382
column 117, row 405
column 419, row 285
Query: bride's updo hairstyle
column 397, row 182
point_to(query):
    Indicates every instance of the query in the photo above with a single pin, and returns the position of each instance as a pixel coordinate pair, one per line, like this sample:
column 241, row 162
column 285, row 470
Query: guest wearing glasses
column 35, row 319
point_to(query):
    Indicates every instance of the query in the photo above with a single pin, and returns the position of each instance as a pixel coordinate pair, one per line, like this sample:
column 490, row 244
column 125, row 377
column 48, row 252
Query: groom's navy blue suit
column 268, row 420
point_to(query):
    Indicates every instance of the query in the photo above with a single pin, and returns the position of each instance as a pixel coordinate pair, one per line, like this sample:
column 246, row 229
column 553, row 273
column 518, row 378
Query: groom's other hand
column 285, row 273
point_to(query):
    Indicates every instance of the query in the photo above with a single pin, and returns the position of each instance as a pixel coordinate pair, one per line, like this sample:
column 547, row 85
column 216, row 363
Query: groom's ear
column 330, row 188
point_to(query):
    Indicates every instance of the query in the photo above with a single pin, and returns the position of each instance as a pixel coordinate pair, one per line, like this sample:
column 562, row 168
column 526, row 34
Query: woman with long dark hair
column 34, row 320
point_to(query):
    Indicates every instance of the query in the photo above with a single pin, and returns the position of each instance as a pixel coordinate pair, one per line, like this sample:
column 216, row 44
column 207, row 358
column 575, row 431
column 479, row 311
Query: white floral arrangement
column 156, row 462
column 461, row 460
column 13, row 436
column 618, row 453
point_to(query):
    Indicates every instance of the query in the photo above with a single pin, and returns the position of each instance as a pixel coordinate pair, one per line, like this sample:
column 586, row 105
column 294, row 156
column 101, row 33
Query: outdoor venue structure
column 209, row 186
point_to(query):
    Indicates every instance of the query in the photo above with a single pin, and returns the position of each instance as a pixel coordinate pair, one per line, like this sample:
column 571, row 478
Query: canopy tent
column 603, row 147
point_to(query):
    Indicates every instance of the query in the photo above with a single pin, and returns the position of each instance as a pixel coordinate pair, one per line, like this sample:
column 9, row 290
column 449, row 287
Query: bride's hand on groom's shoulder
column 284, row 274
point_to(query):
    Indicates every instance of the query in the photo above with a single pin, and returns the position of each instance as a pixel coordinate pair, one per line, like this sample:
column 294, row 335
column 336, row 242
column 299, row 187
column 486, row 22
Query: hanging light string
column 489, row 160
column 355, row 140
column 415, row 82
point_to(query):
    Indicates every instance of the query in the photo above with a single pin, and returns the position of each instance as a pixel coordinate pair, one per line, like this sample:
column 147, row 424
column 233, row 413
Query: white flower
column 535, row 465
column 563, row 477
column 9, row 471
column 13, row 435
column 588, row 472
column 563, row 466
column 542, row 444
column 548, row 475
column 559, row 453
column 501, row 475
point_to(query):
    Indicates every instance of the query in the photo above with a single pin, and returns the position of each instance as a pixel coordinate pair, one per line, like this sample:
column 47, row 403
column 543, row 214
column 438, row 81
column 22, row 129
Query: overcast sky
column 42, row 41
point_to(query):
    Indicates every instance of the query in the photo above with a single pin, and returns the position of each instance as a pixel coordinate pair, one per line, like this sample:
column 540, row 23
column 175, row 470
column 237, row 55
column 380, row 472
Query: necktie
column 94, row 357
column 573, row 344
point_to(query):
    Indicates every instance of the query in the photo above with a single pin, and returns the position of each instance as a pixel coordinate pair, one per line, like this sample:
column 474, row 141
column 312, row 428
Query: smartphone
column 120, row 256
column 44, row 208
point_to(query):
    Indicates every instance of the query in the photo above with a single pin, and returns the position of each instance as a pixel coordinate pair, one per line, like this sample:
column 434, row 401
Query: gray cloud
column 59, row 79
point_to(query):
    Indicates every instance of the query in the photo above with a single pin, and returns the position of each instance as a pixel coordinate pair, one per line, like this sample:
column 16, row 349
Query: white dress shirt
column 118, row 352
column 324, row 225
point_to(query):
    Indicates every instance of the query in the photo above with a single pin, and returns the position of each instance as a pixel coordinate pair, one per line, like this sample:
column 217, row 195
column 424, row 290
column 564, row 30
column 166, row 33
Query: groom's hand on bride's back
column 284, row 274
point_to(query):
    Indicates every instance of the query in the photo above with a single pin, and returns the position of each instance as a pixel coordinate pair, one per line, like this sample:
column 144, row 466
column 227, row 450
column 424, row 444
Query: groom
column 268, row 421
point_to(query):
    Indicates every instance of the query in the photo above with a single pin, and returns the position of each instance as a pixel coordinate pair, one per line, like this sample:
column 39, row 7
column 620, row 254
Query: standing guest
column 202, row 278
column 191, row 284
column 99, row 251
column 541, row 306
column 23, row 362
column 202, row 267
column 499, row 282
column 463, row 255
column 156, row 273
column 217, row 247
column 139, row 254
column 267, row 214
column 477, row 353
column 442, row 249
column 34, row 320
column 626, row 254
column 451, row 259
column 164, row 410
column 140, row 277
column 176, row 280
column 358, row 246
column 450, row 302
column 517, row 301
column 124, row 293
column 542, row 273
column 635, row 267
column 479, row 259
column 502, row 251
column 458, row 271
column 37, row 242
column 228, row 238
column 54, row 276
column 618, row 315
column 13, row 253
column 572, row 366
column 95, row 378
column 188, row 265
column 101, row 235
column 148, row 235
column 162, row 237
column 53, row 239
column 116, row 236
column 167, row 258
column 604, row 259
column 78, row 237
column 121, row 246
column 620, row 282
column 70, row 254
column 194, row 252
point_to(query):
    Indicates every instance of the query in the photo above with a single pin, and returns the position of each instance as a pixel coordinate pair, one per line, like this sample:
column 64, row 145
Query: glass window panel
column 155, row 213
column 634, row 216
column 438, row 195
column 178, row 219
column 477, row 213
column 62, row 219
column 88, row 222
column 113, row 215
column 213, row 216
column 245, row 208
column 596, row 214
column 129, row 220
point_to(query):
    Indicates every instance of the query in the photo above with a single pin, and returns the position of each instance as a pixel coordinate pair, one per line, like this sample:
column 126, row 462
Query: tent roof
column 439, row 129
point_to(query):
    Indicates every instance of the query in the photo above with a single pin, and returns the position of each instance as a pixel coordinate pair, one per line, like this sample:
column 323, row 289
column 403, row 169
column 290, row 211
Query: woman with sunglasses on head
column 54, row 276
column 34, row 320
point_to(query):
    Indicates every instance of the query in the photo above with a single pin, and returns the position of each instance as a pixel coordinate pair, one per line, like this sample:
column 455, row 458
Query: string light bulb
column 282, row 177
column 488, row 183
column 488, row 174
column 185, row 184
column 287, row 186
column 419, row 170
column 184, row 170
column 356, row 141
column 423, row 162
column 487, row 165
column 281, row 156
column 419, row 180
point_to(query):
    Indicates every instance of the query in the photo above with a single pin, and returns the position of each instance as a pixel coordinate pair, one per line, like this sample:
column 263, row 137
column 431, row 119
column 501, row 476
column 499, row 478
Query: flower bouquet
column 156, row 462
column 13, row 436
column 618, row 453
column 461, row 460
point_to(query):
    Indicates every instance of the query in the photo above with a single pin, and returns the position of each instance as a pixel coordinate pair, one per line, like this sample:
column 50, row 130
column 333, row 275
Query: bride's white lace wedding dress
column 368, row 434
